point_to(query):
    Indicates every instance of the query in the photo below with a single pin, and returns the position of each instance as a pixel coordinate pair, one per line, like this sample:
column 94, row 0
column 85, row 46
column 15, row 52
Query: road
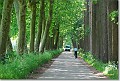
column 66, row 67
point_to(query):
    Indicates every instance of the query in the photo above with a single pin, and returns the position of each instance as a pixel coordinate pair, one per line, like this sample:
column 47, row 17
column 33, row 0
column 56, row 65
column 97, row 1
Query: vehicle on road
column 67, row 48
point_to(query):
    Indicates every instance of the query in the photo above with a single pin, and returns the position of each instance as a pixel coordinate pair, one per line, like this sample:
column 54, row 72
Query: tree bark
column 61, row 42
column 94, row 29
column 47, row 45
column 114, row 34
column 90, row 24
column 86, row 27
column 32, row 32
column 41, row 21
column 9, row 45
column 16, row 6
column 97, row 45
column 46, row 33
column 5, row 26
column 104, row 37
column 57, row 37
column 22, row 26
column 52, row 38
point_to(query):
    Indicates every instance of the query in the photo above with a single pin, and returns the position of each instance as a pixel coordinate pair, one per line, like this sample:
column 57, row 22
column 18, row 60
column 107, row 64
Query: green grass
column 109, row 69
column 19, row 67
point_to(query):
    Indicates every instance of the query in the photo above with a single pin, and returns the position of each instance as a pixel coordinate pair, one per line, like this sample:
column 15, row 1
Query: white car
column 67, row 48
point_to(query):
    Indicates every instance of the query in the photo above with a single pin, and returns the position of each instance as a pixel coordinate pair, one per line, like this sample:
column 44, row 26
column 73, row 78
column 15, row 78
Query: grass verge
column 108, row 69
column 20, row 66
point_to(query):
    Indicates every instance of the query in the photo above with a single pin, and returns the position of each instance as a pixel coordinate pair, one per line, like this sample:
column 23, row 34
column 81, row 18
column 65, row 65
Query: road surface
column 66, row 67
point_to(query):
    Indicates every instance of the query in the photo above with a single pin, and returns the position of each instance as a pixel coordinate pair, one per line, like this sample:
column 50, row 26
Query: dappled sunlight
column 67, row 67
column 32, row 32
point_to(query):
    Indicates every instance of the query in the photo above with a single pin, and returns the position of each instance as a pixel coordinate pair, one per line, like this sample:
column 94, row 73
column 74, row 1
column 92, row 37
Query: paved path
column 66, row 67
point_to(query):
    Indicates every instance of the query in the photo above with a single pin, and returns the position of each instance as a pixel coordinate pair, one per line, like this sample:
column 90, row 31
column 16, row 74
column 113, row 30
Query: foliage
column 1, row 6
column 109, row 69
column 94, row 1
column 14, row 27
column 21, row 66
column 113, row 16
column 68, row 14
column 87, row 31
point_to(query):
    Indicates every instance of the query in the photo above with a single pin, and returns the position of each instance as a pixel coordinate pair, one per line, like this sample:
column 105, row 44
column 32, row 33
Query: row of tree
column 48, row 24
column 101, row 29
column 20, row 9
column 37, row 25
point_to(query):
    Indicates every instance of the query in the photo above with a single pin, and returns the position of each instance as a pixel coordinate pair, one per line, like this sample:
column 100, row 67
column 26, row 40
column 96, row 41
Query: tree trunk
column 0, row 17
column 90, row 24
column 94, row 29
column 41, row 21
column 60, row 42
column 22, row 26
column 16, row 6
column 52, row 43
column 32, row 32
column 52, row 38
column 9, row 45
column 97, row 45
column 46, row 33
column 47, row 45
column 57, row 37
column 114, row 34
column 5, row 26
column 86, row 27
column 1, row 3
column 104, row 44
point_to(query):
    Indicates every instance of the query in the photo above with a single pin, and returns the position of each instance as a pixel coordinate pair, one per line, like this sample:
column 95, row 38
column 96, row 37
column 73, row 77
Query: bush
column 20, row 66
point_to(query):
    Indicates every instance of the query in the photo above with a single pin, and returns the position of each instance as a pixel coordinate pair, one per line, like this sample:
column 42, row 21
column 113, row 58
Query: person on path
column 75, row 52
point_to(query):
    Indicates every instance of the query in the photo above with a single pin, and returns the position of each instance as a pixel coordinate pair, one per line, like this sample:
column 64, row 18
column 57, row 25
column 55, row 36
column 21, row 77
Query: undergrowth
column 110, row 69
column 18, row 67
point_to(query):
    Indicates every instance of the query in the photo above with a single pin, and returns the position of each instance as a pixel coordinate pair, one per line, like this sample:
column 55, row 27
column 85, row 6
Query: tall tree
column 113, row 6
column 94, row 29
column 22, row 26
column 5, row 26
column 46, row 33
column 33, row 19
column 41, row 20
column 104, row 31
column 86, row 28
column 104, row 38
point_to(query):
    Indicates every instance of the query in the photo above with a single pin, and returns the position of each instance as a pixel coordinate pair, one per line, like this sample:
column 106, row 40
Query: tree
column 22, row 26
column 41, row 21
column 48, row 24
column 113, row 31
column 33, row 19
column 5, row 26
column 104, row 31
